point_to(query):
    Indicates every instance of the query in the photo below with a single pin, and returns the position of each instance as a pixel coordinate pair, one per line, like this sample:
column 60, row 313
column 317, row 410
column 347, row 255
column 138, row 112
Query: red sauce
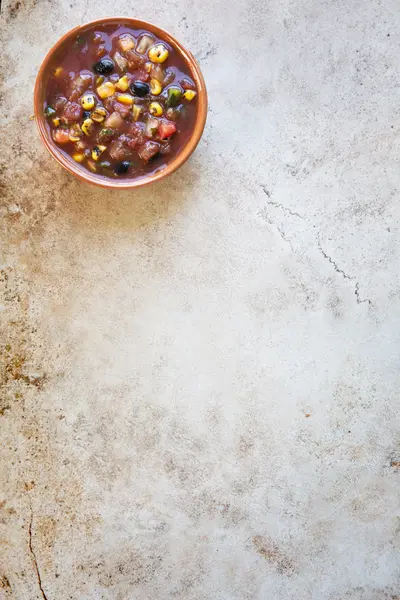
column 120, row 102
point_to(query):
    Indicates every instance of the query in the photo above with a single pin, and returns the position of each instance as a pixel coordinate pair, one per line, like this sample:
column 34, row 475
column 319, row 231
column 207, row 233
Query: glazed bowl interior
column 79, row 171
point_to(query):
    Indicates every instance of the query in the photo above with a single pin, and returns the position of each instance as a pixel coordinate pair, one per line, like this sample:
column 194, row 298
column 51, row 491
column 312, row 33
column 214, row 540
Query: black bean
column 49, row 111
column 140, row 88
column 105, row 66
column 122, row 167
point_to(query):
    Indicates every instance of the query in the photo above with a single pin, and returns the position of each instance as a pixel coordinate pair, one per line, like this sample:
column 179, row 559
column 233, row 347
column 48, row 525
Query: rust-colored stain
column 19, row 5
column 4, row 583
column 14, row 366
column 18, row 365
column 395, row 463
column 6, row 587
column 271, row 552
column 5, row 512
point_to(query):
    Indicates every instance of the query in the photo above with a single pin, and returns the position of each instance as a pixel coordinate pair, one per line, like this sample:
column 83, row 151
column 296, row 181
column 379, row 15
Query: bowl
column 80, row 172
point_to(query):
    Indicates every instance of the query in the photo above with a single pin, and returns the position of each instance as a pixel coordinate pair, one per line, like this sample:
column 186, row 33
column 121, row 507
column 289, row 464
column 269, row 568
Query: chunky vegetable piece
column 120, row 102
column 125, row 42
column 166, row 129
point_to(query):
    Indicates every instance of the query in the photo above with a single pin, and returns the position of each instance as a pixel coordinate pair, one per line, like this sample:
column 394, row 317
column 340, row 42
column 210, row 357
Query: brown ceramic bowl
column 175, row 162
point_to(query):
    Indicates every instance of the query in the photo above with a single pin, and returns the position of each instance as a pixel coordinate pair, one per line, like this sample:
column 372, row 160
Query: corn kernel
column 155, row 87
column 73, row 137
column 97, row 151
column 106, row 90
column 92, row 166
column 148, row 66
column 99, row 80
column 56, row 121
column 88, row 101
column 99, row 114
column 58, row 72
column 136, row 111
column 87, row 126
column 158, row 53
column 122, row 84
column 189, row 95
column 155, row 109
column 125, row 99
column 79, row 157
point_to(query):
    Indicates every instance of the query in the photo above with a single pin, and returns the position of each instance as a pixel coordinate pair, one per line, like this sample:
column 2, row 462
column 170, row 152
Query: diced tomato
column 149, row 150
column 59, row 102
column 105, row 135
column 165, row 149
column 79, row 85
column 61, row 136
column 131, row 144
column 120, row 61
column 125, row 42
column 119, row 150
column 134, row 60
column 72, row 112
column 81, row 145
column 128, row 141
column 137, row 132
column 100, row 51
column 140, row 75
column 114, row 121
column 109, row 104
column 169, row 77
column 122, row 109
column 166, row 129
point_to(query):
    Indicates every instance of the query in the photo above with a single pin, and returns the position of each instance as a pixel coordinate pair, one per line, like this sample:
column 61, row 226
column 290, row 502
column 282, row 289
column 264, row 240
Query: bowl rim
column 177, row 161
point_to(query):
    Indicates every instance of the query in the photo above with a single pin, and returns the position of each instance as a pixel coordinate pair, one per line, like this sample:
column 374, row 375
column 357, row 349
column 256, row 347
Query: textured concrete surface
column 200, row 388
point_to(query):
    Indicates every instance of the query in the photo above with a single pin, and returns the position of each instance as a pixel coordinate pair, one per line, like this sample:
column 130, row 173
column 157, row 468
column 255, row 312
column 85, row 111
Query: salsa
column 120, row 101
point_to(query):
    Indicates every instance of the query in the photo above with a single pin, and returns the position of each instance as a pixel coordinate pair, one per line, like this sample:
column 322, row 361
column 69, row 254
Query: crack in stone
column 277, row 205
column 210, row 52
column 357, row 294
column 264, row 215
column 31, row 550
column 335, row 266
column 345, row 276
column 281, row 232
column 84, row 14
column 324, row 254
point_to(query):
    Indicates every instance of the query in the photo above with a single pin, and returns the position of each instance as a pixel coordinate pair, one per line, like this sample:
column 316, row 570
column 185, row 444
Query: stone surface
column 201, row 378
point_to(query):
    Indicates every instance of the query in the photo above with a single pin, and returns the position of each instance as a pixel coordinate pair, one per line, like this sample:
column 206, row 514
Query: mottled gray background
column 201, row 379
